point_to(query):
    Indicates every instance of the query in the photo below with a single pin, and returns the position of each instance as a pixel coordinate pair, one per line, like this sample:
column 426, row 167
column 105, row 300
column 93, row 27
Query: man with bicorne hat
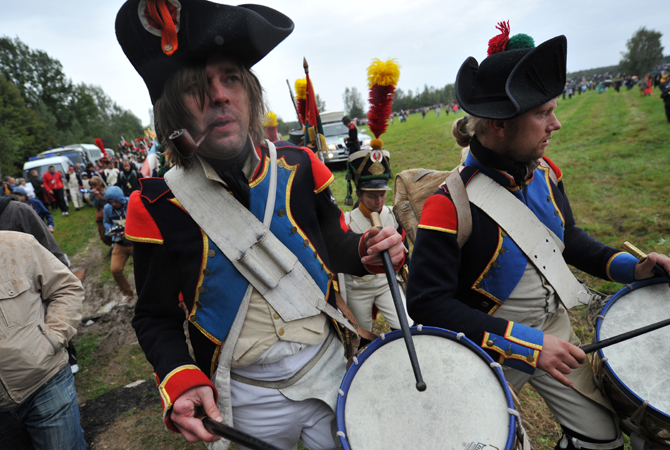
column 490, row 287
column 242, row 231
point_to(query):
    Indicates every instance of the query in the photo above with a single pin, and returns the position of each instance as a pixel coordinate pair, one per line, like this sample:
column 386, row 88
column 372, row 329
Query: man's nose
column 217, row 91
column 555, row 124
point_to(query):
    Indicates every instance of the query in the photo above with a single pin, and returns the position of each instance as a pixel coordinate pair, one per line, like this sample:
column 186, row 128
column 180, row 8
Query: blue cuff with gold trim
column 621, row 267
column 519, row 348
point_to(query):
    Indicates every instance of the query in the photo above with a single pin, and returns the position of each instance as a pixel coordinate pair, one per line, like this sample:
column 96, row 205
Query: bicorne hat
column 515, row 78
column 159, row 37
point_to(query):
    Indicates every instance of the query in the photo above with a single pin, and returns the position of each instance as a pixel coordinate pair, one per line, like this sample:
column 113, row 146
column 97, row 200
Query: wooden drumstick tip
column 633, row 250
column 376, row 220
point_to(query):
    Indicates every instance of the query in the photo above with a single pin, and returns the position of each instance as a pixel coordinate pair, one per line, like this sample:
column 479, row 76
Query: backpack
column 412, row 188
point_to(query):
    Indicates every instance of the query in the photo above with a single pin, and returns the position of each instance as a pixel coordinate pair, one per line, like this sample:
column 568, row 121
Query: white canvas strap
column 542, row 247
column 255, row 252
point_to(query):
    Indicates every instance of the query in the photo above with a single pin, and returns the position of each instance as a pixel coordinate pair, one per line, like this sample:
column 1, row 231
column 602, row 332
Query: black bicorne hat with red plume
column 159, row 37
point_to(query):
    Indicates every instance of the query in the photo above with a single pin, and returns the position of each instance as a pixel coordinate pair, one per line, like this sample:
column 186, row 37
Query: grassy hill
column 614, row 151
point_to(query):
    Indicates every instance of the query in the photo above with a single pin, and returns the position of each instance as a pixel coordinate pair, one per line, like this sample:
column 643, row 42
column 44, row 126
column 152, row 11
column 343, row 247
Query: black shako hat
column 510, row 83
column 159, row 37
column 370, row 170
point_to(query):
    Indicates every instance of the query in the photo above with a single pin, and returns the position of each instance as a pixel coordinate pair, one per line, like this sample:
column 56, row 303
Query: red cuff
column 362, row 251
column 176, row 383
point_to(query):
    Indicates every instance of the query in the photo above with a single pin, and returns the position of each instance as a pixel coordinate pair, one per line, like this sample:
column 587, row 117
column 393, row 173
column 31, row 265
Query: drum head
column 639, row 365
column 464, row 406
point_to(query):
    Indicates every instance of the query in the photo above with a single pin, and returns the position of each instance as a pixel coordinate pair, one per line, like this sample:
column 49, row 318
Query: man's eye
column 233, row 79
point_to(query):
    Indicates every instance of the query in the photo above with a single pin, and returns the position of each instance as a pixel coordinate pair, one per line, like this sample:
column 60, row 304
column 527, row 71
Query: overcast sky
column 430, row 39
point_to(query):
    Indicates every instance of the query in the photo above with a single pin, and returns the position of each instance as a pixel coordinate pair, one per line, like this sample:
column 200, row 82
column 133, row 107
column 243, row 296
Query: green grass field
column 614, row 151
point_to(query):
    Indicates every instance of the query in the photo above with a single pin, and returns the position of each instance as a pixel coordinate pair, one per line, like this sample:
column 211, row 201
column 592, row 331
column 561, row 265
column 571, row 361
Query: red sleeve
column 176, row 383
column 439, row 214
column 140, row 226
column 322, row 175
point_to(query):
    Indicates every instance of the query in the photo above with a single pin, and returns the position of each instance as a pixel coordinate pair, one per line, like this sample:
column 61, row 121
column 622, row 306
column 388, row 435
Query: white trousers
column 75, row 196
column 571, row 409
column 363, row 294
column 266, row 414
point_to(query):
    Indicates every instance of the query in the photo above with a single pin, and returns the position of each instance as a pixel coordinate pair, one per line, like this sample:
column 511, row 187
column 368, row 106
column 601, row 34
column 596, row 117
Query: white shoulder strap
column 542, row 247
column 254, row 251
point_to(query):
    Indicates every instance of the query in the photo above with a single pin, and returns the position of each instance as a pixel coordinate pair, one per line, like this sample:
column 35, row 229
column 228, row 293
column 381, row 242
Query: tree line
column 40, row 108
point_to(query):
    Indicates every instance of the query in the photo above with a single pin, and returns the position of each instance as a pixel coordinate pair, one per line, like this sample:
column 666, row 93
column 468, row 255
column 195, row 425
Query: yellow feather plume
column 383, row 73
column 301, row 89
column 270, row 119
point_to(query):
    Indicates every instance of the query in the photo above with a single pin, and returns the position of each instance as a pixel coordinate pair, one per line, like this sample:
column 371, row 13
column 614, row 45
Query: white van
column 92, row 151
column 60, row 163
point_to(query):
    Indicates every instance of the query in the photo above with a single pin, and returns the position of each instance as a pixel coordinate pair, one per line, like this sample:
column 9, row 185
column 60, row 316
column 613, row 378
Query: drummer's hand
column 183, row 414
column 559, row 357
column 645, row 269
column 377, row 240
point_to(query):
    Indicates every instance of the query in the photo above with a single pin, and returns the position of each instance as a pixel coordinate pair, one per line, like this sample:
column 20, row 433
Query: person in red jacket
column 53, row 184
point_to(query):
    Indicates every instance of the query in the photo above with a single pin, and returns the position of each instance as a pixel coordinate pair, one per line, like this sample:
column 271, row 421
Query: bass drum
column 466, row 406
column 634, row 374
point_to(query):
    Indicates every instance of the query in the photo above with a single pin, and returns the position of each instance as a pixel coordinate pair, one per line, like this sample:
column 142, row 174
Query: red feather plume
column 498, row 43
column 381, row 102
column 100, row 145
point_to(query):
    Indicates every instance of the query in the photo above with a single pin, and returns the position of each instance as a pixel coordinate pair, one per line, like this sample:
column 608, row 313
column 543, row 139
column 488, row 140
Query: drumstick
column 236, row 436
column 397, row 301
column 633, row 250
column 625, row 336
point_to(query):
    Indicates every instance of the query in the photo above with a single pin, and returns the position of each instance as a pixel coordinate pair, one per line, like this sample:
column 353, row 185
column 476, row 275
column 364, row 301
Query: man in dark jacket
column 241, row 332
column 353, row 144
column 505, row 300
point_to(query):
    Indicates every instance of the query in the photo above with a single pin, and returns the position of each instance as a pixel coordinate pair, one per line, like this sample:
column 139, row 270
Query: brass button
column 306, row 242
column 281, row 213
column 530, row 358
column 478, row 285
column 294, row 230
column 315, row 254
column 330, row 276
column 487, row 275
column 508, row 352
column 194, row 319
column 489, row 343
column 201, row 289
column 502, row 233
column 276, row 316
column 503, row 250
column 280, row 164
column 211, row 253
column 205, row 272
column 549, row 198
column 484, row 304
column 321, row 266
column 280, row 332
column 168, row 47
column 198, row 304
column 555, row 213
column 494, row 264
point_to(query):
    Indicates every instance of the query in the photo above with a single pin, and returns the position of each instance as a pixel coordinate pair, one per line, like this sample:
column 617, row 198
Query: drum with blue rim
column 634, row 374
column 467, row 404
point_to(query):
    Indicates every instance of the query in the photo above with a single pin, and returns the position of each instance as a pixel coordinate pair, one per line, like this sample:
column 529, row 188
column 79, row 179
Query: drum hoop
column 632, row 396
column 420, row 330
